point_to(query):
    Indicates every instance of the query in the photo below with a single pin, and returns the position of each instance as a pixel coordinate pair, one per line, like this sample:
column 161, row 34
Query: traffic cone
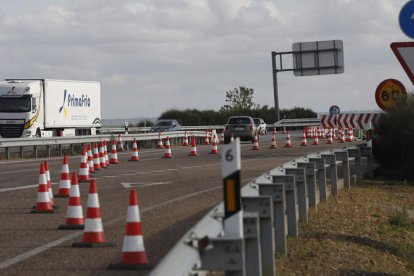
column 49, row 183
column 43, row 204
column 350, row 135
column 93, row 235
column 193, row 151
column 185, row 142
column 273, row 145
column 316, row 140
column 232, row 138
column 255, row 143
column 330, row 138
column 304, row 142
column 120, row 144
column 167, row 153
column 96, row 162
column 214, row 149
column 84, row 167
column 135, row 155
column 74, row 213
column 159, row 145
column 341, row 136
column 288, row 143
column 133, row 251
column 102, row 160
column 114, row 155
column 206, row 140
column 64, row 183
column 90, row 160
column 222, row 138
column 106, row 153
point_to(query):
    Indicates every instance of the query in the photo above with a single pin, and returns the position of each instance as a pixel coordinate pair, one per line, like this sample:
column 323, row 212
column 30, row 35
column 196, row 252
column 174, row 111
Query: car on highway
column 260, row 125
column 166, row 125
column 240, row 126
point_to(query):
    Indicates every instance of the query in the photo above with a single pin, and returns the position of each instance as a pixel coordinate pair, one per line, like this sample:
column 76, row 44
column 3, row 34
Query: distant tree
column 297, row 112
column 239, row 101
column 145, row 123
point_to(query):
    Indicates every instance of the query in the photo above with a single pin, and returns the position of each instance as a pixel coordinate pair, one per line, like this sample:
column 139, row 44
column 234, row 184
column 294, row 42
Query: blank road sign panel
column 318, row 58
column 404, row 51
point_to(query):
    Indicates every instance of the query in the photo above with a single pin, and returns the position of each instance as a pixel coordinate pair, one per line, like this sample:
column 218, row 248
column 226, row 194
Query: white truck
column 46, row 108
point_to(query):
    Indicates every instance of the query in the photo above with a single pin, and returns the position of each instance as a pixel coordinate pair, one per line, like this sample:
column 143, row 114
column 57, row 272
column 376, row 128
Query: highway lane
column 173, row 195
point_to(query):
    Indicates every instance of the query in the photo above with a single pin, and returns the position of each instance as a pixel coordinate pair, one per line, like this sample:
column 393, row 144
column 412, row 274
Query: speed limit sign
column 388, row 92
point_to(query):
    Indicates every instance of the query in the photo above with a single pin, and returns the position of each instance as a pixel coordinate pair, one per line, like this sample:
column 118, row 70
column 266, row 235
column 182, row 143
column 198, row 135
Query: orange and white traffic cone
column 74, row 213
column 193, row 151
column 316, row 140
column 96, row 162
column 206, row 140
column 49, row 183
column 341, row 136
column 273, row 144
column 232, row 138
column 167, row 153
column 64, row 183
column 214, row 149
column 43, row 203
column 288, row 143
column 133, row 250
column 304, row 142
column 350, row 135
column 185, row 142
column 106, row 153
column 255, row 143
column 90, row 160
column 84, row 167
column 330, row 138
column 93, row 235
column 120, row 144
column 159, row 145
column 102, row 160
column 114, row 155
column 222, row 138
column 135, row 155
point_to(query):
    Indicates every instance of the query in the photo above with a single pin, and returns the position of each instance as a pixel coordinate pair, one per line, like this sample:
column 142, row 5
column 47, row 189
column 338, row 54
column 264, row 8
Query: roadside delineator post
column 93, row 234
column 74, row 213
column 133, row 250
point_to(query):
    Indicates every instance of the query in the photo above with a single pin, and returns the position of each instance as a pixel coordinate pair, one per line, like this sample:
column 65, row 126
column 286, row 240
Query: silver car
column 240, row 126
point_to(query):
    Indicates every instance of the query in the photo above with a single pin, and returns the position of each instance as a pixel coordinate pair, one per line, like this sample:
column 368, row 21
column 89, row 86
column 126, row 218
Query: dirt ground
column 367, row 230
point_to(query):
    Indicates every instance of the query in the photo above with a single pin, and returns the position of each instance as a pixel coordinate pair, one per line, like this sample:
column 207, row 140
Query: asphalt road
column 173, row 195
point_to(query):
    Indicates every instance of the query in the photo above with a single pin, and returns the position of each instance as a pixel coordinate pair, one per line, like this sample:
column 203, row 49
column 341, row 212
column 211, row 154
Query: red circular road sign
column 388, row 92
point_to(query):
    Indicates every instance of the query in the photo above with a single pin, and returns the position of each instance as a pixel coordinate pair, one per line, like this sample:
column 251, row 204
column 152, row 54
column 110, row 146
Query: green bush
column 393, row 146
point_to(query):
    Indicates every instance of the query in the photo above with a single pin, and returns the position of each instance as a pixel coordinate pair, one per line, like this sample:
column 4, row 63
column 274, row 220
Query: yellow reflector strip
column 230, row 195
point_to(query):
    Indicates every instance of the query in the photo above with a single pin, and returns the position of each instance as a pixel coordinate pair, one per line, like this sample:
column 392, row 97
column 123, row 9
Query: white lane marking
column 40, row 249
column 109, row 176
column 144, row 184
column 21, row 187
column 19, row 171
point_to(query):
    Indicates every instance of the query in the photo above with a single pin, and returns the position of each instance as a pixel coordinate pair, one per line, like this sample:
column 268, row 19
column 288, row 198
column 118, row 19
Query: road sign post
column 231, row 164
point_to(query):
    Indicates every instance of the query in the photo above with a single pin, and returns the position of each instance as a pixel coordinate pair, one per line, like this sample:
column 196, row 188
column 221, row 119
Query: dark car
column 166, row 125
column 240, row 126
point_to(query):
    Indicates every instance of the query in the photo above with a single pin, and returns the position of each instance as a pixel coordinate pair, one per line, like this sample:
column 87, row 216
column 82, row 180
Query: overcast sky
column 154, row 55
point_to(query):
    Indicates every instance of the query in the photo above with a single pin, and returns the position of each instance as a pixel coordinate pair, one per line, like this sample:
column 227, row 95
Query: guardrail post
column 321, row 172
column 302, row 191
column 21, row 152
column 72, row 149
column 7, row 152
column 48, row 150
column 311, row 182
column 264, row 207
column 251, row 228
column 367, row 151
column 343, row 156
column 223, row 254
column 35, row 153
column 60, row 150
column 277, row 192
column 330, row 160
column 356, row 154
column 291, row 201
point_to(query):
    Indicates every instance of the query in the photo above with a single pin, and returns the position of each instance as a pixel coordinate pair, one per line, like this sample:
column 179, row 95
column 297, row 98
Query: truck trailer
column 47, row 108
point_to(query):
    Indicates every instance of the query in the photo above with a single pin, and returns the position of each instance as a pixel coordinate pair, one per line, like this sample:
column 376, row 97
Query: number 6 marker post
column 233, row 215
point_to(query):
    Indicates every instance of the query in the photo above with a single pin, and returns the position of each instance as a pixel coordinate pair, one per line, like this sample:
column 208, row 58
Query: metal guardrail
column 59, row 142
column 273, row 204
column 147, row 129
column 298, row 122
